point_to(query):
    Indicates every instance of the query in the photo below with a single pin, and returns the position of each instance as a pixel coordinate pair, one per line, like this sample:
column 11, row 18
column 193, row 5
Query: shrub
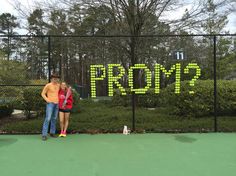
column 96, row 117
column 201, row 103
column 6, row 109
column 10, row 91
column 9, row 99
column 13, row 72
column 29, row 99
column 148, row 100
column 32, row 101
column 226, row 97
column 76, row 104
column 13, row 95
column 121, row 100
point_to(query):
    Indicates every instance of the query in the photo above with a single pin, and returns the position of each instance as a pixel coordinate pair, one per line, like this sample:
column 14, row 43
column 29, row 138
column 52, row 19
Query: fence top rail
column 121, row 36
column 19, row 85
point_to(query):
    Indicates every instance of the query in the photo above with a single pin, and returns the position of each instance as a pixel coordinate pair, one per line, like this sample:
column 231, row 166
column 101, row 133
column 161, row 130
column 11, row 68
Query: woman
column 65, row 106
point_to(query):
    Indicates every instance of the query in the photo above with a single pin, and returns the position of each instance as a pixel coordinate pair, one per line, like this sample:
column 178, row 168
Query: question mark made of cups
column 198, row 74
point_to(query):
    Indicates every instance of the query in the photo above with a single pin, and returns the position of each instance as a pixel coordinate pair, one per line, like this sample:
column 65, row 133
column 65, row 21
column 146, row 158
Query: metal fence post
column 49, row 58
column 215, row 88
column 133, row 111
column 133, row 40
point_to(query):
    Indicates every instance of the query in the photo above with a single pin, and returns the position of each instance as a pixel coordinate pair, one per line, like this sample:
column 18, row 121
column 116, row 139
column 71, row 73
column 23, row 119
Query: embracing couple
column 59, row 98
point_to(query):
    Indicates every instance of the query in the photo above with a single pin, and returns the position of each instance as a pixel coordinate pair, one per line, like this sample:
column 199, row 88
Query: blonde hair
column 63, row 82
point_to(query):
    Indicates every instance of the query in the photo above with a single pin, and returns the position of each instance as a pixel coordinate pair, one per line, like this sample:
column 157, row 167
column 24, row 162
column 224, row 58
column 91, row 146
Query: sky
column 5, row 6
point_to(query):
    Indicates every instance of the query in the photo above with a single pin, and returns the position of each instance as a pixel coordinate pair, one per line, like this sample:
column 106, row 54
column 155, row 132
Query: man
column 50, row 95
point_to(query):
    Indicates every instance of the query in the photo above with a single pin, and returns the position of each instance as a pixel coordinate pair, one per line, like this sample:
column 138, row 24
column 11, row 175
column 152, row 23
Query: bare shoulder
column 47, row 85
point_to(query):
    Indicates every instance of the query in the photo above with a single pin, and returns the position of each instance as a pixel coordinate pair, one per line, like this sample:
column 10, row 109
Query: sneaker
column 44, row 138
column 64, row 134
column 53, row 135
column 61, row 135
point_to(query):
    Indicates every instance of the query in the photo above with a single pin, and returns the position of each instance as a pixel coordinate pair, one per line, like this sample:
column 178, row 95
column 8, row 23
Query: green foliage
column 13, row 95
column 201, row 103
column 36, row 22
column 184, row 104
column 6, row 109
column 2, row 54
column 29, row 99
column 12, row 72
column 148, row 100
column 7, row 23
column 76, row 103
column 121, row 100
column 226, row 97
column 32, row 101
column 97, row 117
column 227, row 67
column 10, row 91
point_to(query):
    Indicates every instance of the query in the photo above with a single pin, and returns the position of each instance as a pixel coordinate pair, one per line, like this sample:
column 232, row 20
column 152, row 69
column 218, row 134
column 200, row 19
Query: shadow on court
column 7, row 141
column 185, row 139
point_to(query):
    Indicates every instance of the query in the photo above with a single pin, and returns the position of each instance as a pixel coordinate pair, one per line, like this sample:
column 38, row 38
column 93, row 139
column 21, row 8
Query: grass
column 98, row 117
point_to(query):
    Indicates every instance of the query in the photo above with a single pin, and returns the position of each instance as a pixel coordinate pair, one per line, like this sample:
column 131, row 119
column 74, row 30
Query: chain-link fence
column 185, row 81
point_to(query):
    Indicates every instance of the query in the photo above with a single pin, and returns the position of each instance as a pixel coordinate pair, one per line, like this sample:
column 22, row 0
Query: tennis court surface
column 210, row 154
